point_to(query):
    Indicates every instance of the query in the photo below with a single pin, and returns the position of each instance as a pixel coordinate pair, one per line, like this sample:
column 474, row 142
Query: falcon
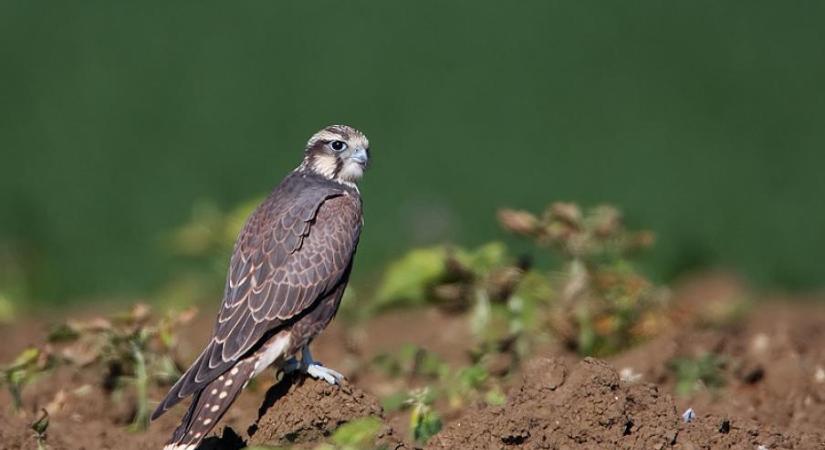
column 288, row 271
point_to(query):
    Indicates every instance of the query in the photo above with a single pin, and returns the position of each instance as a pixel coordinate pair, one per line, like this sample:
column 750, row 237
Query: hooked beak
column 361, row 156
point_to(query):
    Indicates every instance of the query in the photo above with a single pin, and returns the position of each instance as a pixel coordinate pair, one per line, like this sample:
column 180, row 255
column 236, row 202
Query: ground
column 771, row 394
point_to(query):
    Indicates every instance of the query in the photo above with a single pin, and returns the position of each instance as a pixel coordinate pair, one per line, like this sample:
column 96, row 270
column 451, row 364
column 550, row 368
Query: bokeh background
column 120, row 122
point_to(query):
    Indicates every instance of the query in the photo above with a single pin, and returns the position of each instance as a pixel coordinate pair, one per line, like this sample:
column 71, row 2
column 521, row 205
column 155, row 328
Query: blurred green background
column 704, row 121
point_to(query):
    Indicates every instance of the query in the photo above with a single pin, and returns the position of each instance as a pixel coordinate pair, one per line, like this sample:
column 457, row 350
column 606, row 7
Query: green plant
column 446, row 276
column 450, row 389
column 603, row 304
column 360, row 434
column 693, row 373
column 500, row 295
column 40, row 426
column 26, row 367
column 424, row 420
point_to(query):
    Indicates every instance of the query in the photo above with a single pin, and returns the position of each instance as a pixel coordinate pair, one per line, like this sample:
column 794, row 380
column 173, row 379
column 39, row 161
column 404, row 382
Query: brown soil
column 306, row 411
column 588, row 406
column 773, row 393
column 557, row 407
column 295, row 411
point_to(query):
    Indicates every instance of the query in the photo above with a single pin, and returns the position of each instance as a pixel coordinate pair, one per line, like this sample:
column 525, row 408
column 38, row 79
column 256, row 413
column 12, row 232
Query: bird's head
column 337, row 152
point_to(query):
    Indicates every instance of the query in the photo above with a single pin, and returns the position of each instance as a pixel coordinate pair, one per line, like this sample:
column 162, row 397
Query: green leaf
column 689, row 372
column 25, row 358
column 495, row 397
column 484, row 258
column 407, row 279
column 472, row 377
column 359, row 433
column 424, row 422
column 6, row 308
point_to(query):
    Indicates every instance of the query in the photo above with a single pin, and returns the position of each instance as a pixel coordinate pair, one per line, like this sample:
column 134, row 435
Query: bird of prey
column 288, row 271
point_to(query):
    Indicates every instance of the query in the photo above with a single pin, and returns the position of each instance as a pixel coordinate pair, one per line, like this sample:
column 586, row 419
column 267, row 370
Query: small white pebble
column 688, row 415
column 215, row 408
column 223, row 395
column 234, row 371
column 819, row 375
column 760, row 342
column 207, row 421
column 228, row 383
column 628, row 375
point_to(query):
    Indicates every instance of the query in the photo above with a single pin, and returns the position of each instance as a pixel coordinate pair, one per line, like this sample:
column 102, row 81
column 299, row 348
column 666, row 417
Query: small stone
column 628, row 375
column 724, row 427
column 760, row 343
column 753, row 375
column 819, row 375
column 689, row 415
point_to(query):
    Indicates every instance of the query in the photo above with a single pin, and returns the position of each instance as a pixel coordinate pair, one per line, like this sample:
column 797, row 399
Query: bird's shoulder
column 284, row 218
column 304, row 190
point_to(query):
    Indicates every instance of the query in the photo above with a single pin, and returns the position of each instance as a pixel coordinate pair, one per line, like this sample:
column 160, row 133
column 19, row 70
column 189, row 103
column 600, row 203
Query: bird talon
column 320, row 372
column 313, row 368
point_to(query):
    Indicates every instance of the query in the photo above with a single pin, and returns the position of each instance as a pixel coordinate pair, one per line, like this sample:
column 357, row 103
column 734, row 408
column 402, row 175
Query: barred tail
column 209, row 405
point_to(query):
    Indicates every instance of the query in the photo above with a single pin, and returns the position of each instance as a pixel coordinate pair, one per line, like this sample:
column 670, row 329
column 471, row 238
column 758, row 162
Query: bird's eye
column 338, row 146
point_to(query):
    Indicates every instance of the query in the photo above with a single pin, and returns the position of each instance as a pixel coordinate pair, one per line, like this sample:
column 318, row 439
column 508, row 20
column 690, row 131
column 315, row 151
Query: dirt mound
column 302, row 410
column 589, row 406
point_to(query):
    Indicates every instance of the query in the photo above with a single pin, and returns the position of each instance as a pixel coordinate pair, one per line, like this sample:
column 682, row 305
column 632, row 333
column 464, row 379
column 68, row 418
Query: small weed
column 26, row 367
column 40, row 426
column 424, row 420
column 603, row 305
column 359, row 434
column 499, row 294
column 693, row 373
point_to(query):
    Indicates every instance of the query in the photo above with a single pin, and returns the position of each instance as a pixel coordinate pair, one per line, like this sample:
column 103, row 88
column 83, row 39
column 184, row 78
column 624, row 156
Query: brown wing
column 295, row 248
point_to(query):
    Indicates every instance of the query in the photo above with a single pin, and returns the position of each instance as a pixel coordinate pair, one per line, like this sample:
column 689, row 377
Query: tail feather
column 209, row 405
column 183, row 387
